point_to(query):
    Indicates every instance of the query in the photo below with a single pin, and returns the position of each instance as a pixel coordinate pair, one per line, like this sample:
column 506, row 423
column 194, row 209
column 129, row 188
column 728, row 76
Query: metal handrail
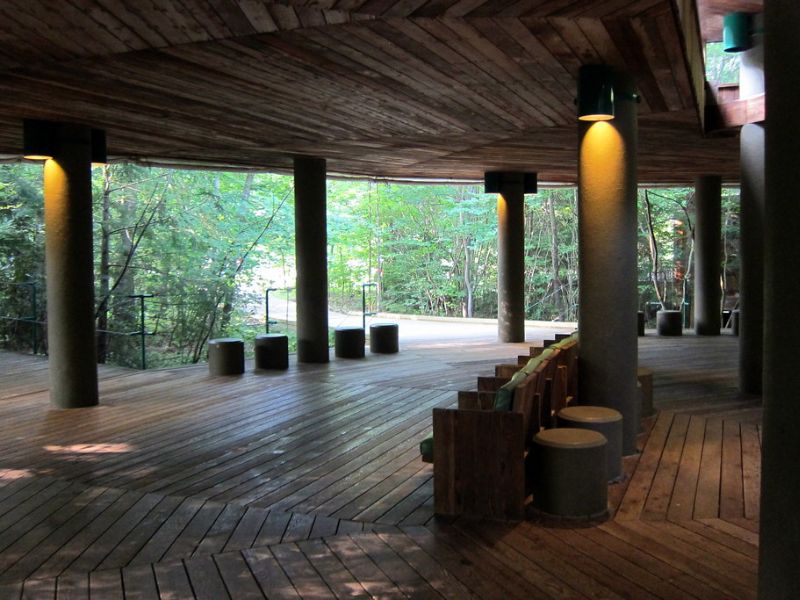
column 364, row 313
column 34, row 311
column 141, row 332
column 266, row 306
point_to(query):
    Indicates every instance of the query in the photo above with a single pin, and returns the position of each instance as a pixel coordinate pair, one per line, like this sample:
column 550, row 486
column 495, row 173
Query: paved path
column 424, row 330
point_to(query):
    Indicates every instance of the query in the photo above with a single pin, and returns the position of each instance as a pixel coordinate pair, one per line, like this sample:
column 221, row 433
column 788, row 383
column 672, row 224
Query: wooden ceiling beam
column 386, row 88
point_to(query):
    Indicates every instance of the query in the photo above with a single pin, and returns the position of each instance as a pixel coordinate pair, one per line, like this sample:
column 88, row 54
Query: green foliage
column 205, row 246
column 721, row 66
column 551, row 255
column 203, row 237
column 666, row 248
column 21, row 253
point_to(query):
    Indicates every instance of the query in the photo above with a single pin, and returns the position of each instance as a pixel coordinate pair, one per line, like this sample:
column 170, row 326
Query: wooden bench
column 479, row 449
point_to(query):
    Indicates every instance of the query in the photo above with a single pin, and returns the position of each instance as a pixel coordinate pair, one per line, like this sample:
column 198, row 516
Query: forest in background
column 204, row 246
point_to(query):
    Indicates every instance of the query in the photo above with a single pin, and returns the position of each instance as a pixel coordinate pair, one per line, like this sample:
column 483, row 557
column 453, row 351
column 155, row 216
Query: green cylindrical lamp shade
column 736, row 32
column 595, row 93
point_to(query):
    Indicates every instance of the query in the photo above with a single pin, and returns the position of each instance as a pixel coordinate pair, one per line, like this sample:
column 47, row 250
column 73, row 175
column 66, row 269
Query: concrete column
column 780, row 478
column 751, row 259
column 707, row 254
column 69, row 268
column 751, row 68
column 607, row 253
column 511, row 258
column 311, row 249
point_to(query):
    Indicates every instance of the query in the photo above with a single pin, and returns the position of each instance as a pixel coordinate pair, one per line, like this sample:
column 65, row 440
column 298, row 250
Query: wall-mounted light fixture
column 493, row 181
column 737, row 29
column 99, row 150
column 595, row 93
column 40, row 141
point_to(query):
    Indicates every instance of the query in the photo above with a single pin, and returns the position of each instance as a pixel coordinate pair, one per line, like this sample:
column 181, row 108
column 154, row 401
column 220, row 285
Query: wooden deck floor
column 309, row 484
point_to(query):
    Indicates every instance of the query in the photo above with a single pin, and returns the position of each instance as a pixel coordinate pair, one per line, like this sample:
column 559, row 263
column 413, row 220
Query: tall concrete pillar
column 707, row 254
column 751, row 222
column 69, row 267
column 311, row 249
column 511, row 258
column 607, row 257
column 780, row 478
column 751, row 259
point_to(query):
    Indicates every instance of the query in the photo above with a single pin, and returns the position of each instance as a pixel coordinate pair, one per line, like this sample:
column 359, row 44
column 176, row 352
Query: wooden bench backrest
column 491, row 384
column 476, row 400
column 478, row 462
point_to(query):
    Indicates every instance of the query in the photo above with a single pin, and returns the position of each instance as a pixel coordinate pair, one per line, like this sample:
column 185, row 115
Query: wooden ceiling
column 381, row 88
column 712, row 11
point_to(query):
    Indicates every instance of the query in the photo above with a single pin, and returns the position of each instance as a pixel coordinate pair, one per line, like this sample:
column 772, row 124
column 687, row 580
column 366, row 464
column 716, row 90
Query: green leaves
column 207, row 244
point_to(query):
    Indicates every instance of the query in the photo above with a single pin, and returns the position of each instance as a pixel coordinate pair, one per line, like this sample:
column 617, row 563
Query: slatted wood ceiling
column 711, row 14
column 388, row 88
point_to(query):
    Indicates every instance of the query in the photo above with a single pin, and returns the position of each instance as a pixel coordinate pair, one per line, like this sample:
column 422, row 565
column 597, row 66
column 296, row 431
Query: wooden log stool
column 640, row 323
column 735, row 319
column 669, row 322
column 272, row 351
column 645, row 378
column 349, row 342
column 384, row 338
column 225, row 356
column 568, row 473
column 602, row 420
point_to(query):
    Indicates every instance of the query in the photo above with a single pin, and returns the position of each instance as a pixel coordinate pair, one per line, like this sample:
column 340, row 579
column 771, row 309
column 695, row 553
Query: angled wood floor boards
column 308, row 484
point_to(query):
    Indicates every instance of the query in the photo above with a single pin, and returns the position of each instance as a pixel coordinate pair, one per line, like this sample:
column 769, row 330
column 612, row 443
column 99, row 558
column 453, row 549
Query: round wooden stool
column 669, row 322
column 349, row 342
column 645, row 378
column 225, row 356
column 640, row 323
column 384, row 338
column 602, row 420
column 569, row 473
column 272, row 351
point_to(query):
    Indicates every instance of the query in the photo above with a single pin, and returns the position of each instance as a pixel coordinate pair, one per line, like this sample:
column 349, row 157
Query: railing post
column 34, row 323
column 266, row 306
column 364, row 313
column 142, row 330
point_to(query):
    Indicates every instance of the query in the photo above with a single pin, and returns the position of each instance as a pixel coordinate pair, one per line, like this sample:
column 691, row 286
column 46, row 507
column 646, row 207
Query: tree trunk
column 467, row 272
column 653, row 246
column 105, row 269
column 468, row 287
column 227, row 307
column 555, row 280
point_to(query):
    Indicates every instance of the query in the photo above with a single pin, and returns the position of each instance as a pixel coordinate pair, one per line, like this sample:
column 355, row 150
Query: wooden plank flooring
column 308, row 484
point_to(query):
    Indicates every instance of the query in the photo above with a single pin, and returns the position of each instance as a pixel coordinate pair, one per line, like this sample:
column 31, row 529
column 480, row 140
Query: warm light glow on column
column 502, row 209
column 602, row 160
column 56, row 183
